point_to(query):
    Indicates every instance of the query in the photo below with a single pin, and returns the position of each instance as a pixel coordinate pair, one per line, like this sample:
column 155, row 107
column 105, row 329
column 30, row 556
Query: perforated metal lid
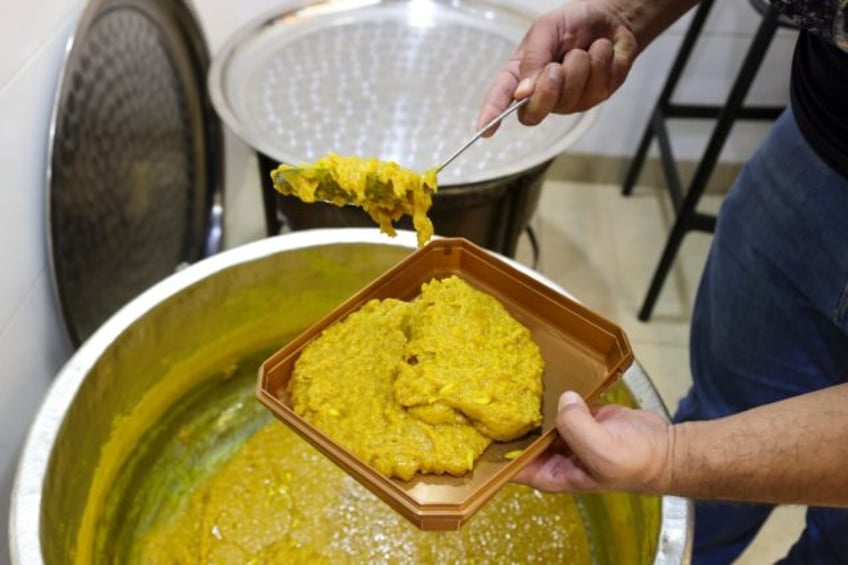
column 135, row 157
column 400, row 80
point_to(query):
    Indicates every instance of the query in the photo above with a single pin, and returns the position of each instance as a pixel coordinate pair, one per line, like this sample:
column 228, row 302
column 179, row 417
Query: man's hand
column 614, row 448
column 570, row 60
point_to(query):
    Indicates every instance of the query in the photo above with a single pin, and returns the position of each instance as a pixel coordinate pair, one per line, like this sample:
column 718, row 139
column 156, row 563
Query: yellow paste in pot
column 384, row 189
column 422, row 386
column 278, row 501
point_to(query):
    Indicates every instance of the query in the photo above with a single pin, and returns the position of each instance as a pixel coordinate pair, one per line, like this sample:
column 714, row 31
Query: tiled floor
column 601, row 247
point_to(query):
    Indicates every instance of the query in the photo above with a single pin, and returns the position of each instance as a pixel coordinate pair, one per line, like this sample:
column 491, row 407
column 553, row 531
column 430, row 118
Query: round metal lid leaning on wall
column 135, row 163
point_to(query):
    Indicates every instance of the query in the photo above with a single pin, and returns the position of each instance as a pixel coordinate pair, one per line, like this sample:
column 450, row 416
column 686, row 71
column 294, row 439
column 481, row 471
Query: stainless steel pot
column 150, row 355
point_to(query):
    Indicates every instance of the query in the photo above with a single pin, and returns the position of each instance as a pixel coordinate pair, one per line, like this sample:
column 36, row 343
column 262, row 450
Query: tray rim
column 426, row 516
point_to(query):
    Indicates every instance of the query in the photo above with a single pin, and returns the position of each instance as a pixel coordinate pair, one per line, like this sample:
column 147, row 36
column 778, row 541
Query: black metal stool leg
column 688, row 218
column 666, row 93
column 534, row 244
column 635, row 167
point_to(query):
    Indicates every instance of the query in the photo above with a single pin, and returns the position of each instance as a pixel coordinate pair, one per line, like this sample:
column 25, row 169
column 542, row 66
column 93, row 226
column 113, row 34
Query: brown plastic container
column 582, row 352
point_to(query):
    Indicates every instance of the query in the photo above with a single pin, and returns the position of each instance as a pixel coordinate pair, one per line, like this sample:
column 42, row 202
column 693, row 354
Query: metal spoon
column 510, row 109
column 329, row 190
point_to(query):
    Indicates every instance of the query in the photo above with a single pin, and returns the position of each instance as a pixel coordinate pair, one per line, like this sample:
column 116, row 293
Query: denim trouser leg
column 771, row 319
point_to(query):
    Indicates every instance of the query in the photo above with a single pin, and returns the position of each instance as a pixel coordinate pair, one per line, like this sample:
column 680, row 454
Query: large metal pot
column 144, row 362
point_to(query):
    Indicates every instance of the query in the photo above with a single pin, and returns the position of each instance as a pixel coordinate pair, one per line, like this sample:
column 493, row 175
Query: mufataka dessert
column 423, row 386
column 384, row 189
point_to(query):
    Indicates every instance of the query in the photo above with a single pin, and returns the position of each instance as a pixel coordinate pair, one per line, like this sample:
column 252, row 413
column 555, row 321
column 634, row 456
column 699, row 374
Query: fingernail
column 568, row 398
column 524, row 88
column 555, row 73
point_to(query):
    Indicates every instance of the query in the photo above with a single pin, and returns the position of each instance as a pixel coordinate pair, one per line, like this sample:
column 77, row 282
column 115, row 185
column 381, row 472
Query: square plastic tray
column 582, row 351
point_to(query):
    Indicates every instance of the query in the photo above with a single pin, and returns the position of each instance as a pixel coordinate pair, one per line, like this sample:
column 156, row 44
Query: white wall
column 33, row 36
column 707, row 79
column 32, row 342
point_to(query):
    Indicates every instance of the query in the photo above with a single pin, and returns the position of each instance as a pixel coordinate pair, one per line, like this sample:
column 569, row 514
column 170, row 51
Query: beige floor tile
column 780, row 531
column 602, row 248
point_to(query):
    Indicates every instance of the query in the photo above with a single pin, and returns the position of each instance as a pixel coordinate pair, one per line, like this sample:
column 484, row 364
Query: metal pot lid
column 135, row 157
column 400, row 80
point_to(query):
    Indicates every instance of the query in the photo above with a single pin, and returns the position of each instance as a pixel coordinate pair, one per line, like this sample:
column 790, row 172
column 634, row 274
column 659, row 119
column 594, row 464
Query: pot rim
column 675, row 535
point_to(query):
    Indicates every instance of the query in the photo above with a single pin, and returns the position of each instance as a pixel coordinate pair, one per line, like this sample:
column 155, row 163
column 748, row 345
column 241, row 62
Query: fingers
column 541, row 73
column 554, row 473
column 581, row 430
column 599, row 82
column 546, row 94
column 517, row 78
column 560, row 468
column 570, row 60
column 500, row 94
column 624, row 53
column 577, row 67
column 583, row 80
column 542, row 44
column 606, row 447
column 556, row 470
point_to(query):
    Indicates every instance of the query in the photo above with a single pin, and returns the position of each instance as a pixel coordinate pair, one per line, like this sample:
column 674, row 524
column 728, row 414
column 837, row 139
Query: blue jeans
column 771, row 321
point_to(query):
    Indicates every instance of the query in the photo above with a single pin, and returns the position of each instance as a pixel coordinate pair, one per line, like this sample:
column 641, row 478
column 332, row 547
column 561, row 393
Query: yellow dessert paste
column 422, row 386
column 278, row 501
column 384, row 189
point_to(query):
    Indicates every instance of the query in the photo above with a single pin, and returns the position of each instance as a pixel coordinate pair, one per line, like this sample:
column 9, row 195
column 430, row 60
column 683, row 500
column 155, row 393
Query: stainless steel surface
column 245, row 297
column 135, row 163
column 678, row 516
column 496, row 120
column 400, row 80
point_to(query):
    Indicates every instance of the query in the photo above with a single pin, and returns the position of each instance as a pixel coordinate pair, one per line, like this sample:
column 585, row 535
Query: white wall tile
column 25, row 26
column 32, row 349
column 707, row 79
column 622, row 118
column 32, row 340
column 221, row 18
column 680, row 26
column 649, row 72
column 714, row 66
column 729, row 17
column 25, row 107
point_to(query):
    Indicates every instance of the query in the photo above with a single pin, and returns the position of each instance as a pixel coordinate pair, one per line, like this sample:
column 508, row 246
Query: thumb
column 578, row 427
column 526, row 86
column 539, row 48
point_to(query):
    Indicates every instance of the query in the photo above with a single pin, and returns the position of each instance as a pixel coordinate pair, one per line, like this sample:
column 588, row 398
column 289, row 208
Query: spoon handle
column 510, row 109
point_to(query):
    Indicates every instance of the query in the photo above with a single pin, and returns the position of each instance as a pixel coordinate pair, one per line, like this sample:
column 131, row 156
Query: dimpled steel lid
column 135, row 164
column 400, row 80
